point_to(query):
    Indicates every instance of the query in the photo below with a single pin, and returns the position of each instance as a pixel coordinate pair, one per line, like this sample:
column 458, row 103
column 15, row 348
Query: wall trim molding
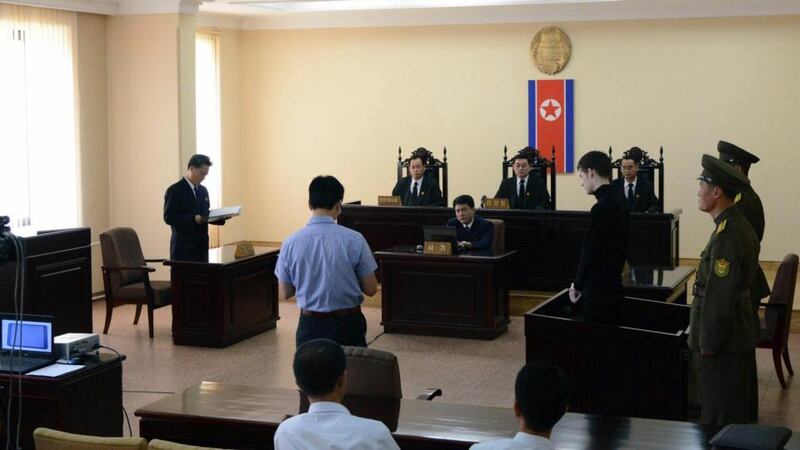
column 486, row 15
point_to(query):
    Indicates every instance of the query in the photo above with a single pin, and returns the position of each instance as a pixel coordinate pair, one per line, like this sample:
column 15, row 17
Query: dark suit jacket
column 481, row 234
column 429, row 192
column 536, row 196
column 645, row 199
column 189, row 239
column 603, row 255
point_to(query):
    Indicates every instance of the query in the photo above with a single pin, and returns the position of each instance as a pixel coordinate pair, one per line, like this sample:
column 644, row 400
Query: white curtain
column 207, row 104
column 209, row 140
column 39, row 179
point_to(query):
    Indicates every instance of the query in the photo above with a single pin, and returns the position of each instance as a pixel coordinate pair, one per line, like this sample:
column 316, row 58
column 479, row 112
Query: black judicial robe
column 429, row 192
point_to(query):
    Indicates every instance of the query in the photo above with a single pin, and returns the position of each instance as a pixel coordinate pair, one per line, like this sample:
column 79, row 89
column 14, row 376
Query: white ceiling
column 266, row 14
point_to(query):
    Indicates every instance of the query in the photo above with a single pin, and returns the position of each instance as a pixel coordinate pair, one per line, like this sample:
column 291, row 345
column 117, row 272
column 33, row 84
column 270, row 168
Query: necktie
column 194, row 192
column 416, row 189
column 630, row 195
column 466, row 230
column 521, row 193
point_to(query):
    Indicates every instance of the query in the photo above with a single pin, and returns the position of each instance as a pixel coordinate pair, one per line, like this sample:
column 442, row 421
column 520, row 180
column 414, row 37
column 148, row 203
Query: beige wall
column 341, row 101
column 92, row 106
column 144, row 147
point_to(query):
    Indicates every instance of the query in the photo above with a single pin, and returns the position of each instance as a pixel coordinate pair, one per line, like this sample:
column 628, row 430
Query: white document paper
column 55, row 370
column 224, row 213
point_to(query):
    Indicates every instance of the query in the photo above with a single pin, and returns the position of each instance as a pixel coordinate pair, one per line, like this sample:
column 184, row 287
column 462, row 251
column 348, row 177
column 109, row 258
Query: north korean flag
column 550, row 120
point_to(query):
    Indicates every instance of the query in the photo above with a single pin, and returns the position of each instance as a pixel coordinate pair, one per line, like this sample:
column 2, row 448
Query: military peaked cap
column 720, row 174
column 733, row 154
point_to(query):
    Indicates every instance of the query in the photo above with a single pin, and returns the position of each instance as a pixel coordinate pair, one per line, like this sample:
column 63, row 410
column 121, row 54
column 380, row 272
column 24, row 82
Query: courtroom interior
column 469, row 215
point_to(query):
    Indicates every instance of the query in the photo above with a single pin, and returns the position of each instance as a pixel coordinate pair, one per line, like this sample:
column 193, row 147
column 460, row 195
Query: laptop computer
column 439, row 234
column 27, row 343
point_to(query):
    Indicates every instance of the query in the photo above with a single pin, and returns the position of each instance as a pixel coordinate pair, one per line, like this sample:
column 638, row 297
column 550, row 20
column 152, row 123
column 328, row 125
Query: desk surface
column 421, row 421
column 657, row 278
column 226, row 255
column 464, row 255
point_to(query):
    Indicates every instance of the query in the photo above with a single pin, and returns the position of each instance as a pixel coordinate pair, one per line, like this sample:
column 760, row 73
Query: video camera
column 6, row 246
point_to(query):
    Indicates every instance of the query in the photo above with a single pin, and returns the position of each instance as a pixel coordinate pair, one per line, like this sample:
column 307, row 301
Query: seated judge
column 522, row 190
column 319, row 370
column 541, row 396
column 417, row 189
column 473, row 232
column 639, row 193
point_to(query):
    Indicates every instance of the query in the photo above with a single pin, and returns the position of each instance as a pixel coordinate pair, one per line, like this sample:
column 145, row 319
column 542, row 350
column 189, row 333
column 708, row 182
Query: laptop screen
column 27, row 335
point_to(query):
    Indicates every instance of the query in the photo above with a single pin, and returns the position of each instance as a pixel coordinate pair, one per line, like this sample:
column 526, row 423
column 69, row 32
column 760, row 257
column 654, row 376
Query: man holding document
column 186, row 211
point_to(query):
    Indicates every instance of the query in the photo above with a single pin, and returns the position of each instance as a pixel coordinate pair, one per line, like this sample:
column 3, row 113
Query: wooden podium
column 226, row 299
column 58, row 279
column 638, row 368
column 464, row 295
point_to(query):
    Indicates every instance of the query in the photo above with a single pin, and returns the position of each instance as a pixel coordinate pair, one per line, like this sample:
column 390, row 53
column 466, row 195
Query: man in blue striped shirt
column 327, row 267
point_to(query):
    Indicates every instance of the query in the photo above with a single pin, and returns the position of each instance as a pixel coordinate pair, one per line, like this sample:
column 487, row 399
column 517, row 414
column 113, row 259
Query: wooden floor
column 468, row 371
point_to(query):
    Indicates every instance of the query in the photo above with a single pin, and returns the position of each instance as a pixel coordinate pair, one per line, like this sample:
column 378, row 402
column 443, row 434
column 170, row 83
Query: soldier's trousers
column 723, row 386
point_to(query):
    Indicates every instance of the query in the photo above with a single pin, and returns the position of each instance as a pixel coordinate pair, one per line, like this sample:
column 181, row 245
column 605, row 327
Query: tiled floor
column 468, row 371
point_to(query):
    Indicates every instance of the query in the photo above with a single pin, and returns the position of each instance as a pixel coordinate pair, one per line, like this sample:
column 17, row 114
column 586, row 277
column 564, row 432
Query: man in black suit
column 417, row 189
column 522, row 190
column 639, row 193
column 473, row 232
column 186, row 209
column 598, row 283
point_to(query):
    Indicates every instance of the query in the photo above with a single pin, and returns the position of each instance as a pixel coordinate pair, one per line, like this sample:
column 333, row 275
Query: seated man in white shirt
column 541, row 396
column 319, row 370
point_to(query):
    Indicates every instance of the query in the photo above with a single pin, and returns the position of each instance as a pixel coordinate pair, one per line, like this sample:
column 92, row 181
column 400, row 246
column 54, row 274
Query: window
column 208, row 121
column 39, row 179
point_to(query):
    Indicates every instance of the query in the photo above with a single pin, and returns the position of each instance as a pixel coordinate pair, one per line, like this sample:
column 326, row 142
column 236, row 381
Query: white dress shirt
column 330, row 426
column 419, row 186
column 191, row 185
column 522, row 441
column 630, row 182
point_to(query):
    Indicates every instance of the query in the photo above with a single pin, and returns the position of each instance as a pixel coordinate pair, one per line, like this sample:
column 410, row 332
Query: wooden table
column 666, row 285
column 87, row 401
column 463, row 295
column 58, row 279
column 548, row 243
column 637, row 367
column 243, row 417
column 224, row 300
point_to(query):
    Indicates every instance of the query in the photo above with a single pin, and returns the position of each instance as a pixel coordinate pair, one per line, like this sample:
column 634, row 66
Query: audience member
column 541, row 397
column 319, row 370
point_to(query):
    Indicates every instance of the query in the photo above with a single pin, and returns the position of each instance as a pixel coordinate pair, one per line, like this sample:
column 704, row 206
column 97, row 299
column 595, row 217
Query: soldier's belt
column 698, row 290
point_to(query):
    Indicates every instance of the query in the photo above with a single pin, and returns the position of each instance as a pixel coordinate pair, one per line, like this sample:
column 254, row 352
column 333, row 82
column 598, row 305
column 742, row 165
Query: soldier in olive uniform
column 748, row 202
column 723, row 329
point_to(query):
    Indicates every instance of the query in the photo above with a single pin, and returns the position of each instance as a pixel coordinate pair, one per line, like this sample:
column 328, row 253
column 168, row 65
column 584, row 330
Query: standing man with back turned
column 327, row 267
column 723, row 327
column 598, row 283
column 186, row 208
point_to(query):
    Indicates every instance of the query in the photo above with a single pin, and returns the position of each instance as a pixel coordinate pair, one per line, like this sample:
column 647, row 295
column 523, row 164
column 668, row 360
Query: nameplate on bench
column 244, row 250
column 389, row 200
column 496, row 203
column 437, row 248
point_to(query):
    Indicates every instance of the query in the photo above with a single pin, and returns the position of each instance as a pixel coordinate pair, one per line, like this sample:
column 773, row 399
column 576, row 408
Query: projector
column 71, row 345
